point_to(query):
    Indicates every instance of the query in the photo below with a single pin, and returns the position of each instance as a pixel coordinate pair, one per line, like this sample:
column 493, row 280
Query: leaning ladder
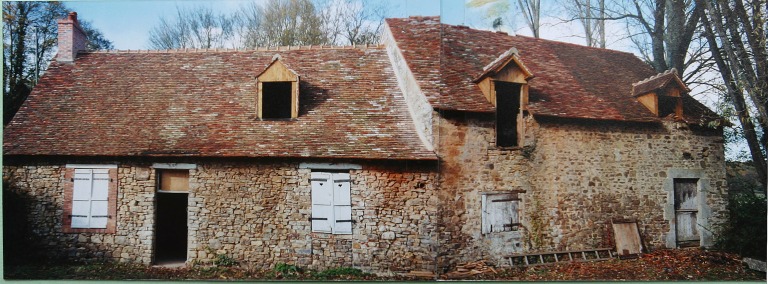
column 540, row 258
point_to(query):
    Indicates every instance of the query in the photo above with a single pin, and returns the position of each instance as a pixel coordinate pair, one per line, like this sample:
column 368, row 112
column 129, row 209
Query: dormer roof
column 501, row 62
column 659, row 81
column 284, row 73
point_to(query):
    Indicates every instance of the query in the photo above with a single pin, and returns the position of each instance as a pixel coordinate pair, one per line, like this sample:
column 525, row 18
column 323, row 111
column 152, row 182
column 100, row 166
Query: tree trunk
column 735, row 93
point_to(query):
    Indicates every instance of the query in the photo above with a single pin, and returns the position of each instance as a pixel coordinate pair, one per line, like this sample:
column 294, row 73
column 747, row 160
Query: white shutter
column 322, row 203
column 499, row 212
column 99, row 199
column 342, row 204
column 81, row 198
column 82, row 184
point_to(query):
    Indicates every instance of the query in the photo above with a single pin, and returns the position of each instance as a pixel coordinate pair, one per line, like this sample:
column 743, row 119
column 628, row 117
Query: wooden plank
column 174, row 180
column 650, row 101
column 627, row 238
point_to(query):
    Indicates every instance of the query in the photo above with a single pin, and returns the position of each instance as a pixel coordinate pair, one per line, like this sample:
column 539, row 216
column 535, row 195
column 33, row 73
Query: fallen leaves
column 678, row 264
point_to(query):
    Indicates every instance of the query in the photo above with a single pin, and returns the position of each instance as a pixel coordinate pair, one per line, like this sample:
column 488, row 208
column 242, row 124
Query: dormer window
column 278, row 96
column 662, row 94
column 504, row 82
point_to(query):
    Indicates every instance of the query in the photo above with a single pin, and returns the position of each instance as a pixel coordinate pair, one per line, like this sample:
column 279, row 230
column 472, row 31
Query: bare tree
column 283, row 23
column 591, row 15
column 353, row 21
column 531, row 10
column 737, row 37
column 198, row 27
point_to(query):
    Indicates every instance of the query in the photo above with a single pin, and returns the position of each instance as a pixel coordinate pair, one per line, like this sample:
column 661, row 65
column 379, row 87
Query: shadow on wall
column 20, row 244
column 23, row 244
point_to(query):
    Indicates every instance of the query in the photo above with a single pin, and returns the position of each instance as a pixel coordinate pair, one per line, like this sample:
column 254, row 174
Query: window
column 331, row 203
column 507, row 111
column 276, row 97
column 90, row 199
column 499, row 212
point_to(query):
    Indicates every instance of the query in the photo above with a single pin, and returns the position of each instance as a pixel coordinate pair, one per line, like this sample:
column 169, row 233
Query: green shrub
column 745, row 231
column 340, row 271
column 224, row 261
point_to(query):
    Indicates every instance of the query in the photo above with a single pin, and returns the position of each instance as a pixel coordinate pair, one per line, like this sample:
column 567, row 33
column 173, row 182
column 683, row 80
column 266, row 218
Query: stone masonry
column 256, row 213
column 577, row 176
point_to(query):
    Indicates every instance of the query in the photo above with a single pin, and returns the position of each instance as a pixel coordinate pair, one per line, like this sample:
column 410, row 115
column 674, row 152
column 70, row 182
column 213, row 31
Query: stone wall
column 257, row 213
column 43, row 184
column 587, row 174
column 577, row 177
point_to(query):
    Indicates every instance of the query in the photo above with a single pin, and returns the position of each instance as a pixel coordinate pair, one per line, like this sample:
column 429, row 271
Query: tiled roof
column 570, row 80
column 658, row 81
column 204, row 104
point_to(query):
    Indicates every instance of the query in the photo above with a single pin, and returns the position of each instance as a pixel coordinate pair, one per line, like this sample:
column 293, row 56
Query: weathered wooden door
column 686, row 211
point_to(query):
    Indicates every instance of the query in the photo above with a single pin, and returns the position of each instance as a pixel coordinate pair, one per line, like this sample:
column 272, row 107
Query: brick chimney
column 71, row 38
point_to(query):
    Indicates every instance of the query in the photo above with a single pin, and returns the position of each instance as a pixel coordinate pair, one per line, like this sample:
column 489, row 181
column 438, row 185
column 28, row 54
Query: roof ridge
column 656, row 76
column 267, row 48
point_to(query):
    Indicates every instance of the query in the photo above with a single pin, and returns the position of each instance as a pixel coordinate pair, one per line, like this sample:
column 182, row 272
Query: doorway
column 686, row 211
column 171, row 217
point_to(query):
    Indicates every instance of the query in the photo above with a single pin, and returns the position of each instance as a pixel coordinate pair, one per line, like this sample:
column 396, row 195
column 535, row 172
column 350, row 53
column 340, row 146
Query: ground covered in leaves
column 682, row 264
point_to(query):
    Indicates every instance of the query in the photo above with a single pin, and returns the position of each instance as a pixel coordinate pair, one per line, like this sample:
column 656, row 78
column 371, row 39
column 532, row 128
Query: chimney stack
column 71, row 38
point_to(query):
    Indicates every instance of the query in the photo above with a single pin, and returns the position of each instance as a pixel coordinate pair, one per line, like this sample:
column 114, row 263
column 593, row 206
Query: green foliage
column 745, row 232
column 224, row 260
column 535, row 236
column 339, row 272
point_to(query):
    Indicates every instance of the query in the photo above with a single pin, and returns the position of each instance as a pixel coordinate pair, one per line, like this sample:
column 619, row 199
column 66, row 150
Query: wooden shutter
column 342, row 204
column 322, row 202
column 499, row 212
column 100, row 199
column 81, row 198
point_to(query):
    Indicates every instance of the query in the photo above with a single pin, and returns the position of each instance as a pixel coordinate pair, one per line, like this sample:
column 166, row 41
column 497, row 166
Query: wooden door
column 686, row 211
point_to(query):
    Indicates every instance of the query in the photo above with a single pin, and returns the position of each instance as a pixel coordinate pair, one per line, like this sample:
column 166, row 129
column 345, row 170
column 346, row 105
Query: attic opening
column 276, row 100
column 507, row 111
column 278, row 96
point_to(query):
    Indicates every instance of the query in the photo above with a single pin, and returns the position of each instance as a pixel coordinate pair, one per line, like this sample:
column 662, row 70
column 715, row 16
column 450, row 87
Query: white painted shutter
column 499, row 212
column 99, row 199
column 322, row 202
column 342, row 204
column 81, row 198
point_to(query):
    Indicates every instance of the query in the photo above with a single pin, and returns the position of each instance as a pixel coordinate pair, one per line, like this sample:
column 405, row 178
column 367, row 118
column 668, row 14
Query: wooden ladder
column 540, row 258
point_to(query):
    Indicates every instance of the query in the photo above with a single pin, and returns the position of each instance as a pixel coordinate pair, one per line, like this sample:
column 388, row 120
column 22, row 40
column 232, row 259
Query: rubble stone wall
column 577, row 178
column 255, row 213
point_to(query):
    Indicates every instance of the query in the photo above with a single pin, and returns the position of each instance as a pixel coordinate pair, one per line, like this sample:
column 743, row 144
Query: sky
column 127, row 23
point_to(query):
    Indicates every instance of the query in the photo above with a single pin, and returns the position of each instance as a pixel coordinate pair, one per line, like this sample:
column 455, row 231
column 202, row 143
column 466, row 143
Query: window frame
column 69, row 186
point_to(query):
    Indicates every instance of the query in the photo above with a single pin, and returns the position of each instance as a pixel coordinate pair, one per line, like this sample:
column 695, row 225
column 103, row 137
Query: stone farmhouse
column 442, row 145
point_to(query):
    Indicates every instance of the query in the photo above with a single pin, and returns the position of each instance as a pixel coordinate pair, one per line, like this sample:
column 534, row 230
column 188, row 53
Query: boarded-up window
column 507, row 111
column 173, row 180
column 331, row 203
column 499, row 212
